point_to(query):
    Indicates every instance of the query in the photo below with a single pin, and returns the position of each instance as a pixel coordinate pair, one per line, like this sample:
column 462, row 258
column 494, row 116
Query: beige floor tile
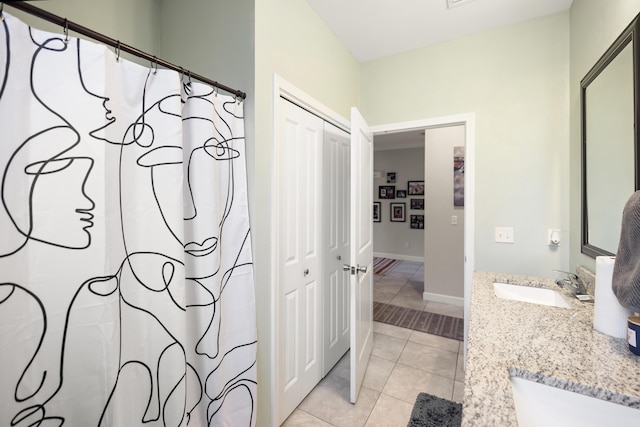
column 399, row 276
column 430, row 359
column 410, row 291
column 460, row 367
column 383, row 296
column 405, row 383
column 387, row 347
column 445, row 309
column 342, row 369
column 409, row 302
column 329, row 401
column 391, row 330
column 458, row 391
column 301, row 419
column 377, row 373
column 435, row 341
column 398, row 282
column 390, row 412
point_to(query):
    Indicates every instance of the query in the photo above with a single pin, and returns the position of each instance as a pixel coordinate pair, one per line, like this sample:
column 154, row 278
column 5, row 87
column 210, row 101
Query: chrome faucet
column 573, row 281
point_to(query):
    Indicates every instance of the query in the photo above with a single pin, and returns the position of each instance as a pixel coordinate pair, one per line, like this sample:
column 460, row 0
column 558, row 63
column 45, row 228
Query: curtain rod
column 68, row 25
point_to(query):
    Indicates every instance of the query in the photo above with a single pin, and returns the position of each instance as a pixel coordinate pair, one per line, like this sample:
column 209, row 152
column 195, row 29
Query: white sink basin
column 540, row 405
column 529, row 294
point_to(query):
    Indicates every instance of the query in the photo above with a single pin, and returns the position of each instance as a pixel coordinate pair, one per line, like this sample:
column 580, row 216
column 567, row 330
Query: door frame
column 284, row 89
column 469, row 121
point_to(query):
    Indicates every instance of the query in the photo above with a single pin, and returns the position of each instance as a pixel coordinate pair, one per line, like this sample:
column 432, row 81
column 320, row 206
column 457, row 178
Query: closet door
column 336, row 244
column 299, row 275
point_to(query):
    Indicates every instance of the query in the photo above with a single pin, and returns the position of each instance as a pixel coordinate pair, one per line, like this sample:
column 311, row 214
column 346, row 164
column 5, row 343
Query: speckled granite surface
column 550, row 345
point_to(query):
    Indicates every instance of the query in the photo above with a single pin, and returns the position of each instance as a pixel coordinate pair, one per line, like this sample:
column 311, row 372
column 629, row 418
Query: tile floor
column 403, row 363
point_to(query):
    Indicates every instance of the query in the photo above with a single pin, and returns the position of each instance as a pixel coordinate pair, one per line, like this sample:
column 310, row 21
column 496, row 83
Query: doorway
column 468, row 121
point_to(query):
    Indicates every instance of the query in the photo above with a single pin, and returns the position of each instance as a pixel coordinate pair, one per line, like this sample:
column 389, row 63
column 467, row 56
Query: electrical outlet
column 504, row 234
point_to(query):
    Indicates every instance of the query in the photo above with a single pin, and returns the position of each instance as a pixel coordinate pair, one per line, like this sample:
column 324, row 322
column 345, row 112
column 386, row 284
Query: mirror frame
column 629, row 35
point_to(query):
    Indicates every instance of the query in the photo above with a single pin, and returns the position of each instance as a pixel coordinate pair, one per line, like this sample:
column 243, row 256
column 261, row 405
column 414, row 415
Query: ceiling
column 399, row 140
column 372, row 29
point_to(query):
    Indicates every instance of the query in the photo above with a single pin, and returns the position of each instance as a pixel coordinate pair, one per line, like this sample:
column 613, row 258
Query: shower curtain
column 126, row 278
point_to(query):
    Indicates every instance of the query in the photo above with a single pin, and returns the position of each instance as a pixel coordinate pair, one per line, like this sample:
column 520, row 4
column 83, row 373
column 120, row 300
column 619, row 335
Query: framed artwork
column 458, row 176
column 416, row 188
column 417, row 222
column 387, row 192
column 401, row 194
column 417, row 204
column 397, row 212
column 376, row 212
column 391, row 177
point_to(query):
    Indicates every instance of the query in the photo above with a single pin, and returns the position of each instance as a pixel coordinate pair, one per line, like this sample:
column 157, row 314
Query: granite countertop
column 550, row 345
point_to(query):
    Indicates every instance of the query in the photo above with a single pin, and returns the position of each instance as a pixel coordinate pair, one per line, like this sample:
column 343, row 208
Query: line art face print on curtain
column 126, row 278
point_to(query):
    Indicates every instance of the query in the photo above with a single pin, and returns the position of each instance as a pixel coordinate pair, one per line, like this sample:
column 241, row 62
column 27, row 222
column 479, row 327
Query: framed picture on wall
column 398, row 212
column 458, row 176
column 376, row 212
column 416, row 188
column 387, row 192
column 417, row 204
column 417, row 222
column 391, row 177
column 401, row 194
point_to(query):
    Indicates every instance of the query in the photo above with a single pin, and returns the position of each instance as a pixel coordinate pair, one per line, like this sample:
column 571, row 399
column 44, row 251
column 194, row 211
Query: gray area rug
column 423, row 321
column 433, row 411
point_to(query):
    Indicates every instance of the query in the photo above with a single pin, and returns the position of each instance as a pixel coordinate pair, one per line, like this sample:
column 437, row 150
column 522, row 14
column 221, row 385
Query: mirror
column 609, row 92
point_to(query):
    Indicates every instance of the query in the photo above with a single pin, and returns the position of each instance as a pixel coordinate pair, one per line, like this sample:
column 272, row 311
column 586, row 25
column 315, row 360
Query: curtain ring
column 1, row 10
column 66, row 31
column 154, row 64
column 118, row 51
column 215, row 89
column 189, row 82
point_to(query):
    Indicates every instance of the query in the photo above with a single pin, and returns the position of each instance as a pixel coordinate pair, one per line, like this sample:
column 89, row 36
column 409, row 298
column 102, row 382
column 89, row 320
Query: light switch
column 454, row 219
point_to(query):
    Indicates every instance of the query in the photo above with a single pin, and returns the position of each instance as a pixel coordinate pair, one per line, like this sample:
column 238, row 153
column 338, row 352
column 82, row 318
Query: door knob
column 339, row 257
column 362, row 268
column 306, row 272
column 346, row 267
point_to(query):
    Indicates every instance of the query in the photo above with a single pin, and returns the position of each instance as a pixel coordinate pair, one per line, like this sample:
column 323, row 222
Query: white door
column 299, row 160
column 336, row 207
column 361, row 259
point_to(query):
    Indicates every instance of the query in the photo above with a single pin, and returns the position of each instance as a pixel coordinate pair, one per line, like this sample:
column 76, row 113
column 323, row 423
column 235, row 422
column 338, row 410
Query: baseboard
column 446, row 299
column 401, row 257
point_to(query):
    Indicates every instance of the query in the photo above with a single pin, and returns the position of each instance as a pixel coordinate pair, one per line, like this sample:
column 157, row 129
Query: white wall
column 516, row 80
column 595, row 24
column 444, row 242
column 391, row 238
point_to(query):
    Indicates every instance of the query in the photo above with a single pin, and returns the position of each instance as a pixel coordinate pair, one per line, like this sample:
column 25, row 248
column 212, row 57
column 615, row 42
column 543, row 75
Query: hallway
column 403, row 363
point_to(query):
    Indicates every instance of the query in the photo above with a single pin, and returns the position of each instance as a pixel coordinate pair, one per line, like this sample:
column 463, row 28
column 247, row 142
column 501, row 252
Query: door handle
column 306, row 272
column 362, row 269
column 339, row 257
column 347, row 267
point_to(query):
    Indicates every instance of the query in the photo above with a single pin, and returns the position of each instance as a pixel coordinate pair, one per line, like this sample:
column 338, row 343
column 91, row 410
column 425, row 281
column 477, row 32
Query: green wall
column 516, row 81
